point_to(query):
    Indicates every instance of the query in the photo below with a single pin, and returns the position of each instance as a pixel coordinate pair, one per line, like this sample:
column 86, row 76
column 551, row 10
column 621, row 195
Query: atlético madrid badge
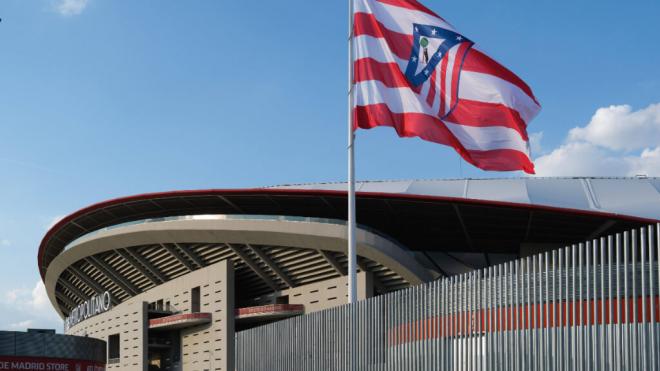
column 430, row 45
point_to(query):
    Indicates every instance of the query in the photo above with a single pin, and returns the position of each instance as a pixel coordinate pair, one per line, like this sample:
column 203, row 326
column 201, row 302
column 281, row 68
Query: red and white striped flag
column 414, row 72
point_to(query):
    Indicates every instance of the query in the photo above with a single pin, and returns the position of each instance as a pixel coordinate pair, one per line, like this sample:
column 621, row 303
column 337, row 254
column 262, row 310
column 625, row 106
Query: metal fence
column 588, row 306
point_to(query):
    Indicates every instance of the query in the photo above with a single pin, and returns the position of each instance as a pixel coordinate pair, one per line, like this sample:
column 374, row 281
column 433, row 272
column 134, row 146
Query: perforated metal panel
column 7, row 344
column 31, row 344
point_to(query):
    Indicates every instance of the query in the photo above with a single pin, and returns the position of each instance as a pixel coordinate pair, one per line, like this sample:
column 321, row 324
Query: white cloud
column 617, row 141
column 580, row 159
column 35, row 299
column 70, row 7
column 535, row 143
column 39, row 299
column 619, row 128
column 647, row 163
column 21, row 326
column 33, row 304
column 12, row 296
column 5, row 242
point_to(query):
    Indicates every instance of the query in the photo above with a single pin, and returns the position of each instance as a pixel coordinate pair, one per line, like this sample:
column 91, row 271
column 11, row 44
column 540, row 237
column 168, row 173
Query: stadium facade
column 169, row 279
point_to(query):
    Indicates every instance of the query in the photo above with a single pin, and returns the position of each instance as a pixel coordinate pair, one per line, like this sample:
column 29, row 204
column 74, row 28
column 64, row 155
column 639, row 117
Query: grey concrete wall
column 129, row 321
column 331, row 293
column 210, row 347
column 206, row 347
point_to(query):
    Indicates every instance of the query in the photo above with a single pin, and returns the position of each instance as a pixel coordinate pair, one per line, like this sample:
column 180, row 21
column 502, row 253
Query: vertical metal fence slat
column 515, row 316
column 417, row 321
column 617, row 348
column 445, row 338
column 633, row 246
column 554, row 302
column 574, row 326
column 644, row 327
column 466, row 321
column 476, row 321
column 494, row 331
column 467, row 318
column 533, row 326
column 580, row 324
column 518, row 346
column 430, row 323
column 547, row 353
column 601, row 332
column 505, row 292
column 461, row 313
column 594, row 307
column 626, row 315
column 651, row 324
column 560, row 330
column 590, row 301
column 610, row 302
column 567, row 338
column 489, row 327
column 497, row 326
column 450, row 326
column 539, row 302
column 457, row 344
column 657, row 294
column 442, row 326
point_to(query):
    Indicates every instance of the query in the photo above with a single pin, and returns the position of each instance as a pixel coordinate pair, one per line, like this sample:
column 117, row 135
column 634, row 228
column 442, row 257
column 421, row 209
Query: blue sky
column 102, row 98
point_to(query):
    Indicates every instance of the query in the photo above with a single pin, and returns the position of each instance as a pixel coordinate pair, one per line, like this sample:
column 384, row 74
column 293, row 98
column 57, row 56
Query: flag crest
column 430, row 45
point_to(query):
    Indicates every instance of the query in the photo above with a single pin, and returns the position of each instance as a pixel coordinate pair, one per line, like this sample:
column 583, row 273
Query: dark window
column 113, row 348
column 194, row 300
column 282, row 299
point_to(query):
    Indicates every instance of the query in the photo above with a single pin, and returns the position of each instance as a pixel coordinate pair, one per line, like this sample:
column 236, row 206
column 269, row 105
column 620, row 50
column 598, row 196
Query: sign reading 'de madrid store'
column 47, row 364
column 97, row 304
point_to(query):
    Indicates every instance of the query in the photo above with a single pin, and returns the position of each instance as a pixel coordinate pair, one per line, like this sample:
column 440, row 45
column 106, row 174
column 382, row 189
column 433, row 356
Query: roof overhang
column 309, row 235
column 408, row 217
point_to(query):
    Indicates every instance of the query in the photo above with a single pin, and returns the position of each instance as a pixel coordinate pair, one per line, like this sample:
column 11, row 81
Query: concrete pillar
column 144, row 336
column 226, row 316
column 210, row 347
column 365, row 287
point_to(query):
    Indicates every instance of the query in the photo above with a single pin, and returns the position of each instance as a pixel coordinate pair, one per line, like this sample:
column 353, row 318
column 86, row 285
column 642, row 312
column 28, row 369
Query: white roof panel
column 565, row 193
column 384, row 187
column 635, row 197
column 640, row 197
column 506, row 190
column 448, row 188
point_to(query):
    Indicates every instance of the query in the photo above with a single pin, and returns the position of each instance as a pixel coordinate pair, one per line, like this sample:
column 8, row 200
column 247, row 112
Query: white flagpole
column 352, row 255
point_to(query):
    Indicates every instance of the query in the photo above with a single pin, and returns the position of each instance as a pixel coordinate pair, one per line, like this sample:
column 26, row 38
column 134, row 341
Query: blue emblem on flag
column 430, row 45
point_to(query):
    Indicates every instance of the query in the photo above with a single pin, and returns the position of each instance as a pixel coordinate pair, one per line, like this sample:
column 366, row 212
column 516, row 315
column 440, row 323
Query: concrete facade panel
column 330, row 293
column 205, row 347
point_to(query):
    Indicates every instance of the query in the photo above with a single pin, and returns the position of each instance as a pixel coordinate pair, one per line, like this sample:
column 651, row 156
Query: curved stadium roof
column 461, row 215
column 446, row 226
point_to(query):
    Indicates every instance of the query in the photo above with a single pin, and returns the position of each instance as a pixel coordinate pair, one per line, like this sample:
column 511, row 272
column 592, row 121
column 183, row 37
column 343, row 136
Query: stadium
column 171, row 280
